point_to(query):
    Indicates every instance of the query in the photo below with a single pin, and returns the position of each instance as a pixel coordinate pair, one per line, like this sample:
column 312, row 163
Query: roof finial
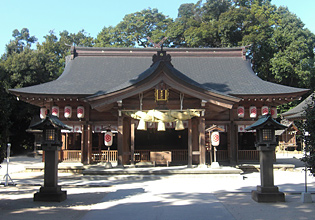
column 158, row 45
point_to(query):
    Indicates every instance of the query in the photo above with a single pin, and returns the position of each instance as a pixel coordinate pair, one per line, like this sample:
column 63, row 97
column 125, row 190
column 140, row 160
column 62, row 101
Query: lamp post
column 266, row 143
column 51, row 144
column 108, row 141
column 306, row 197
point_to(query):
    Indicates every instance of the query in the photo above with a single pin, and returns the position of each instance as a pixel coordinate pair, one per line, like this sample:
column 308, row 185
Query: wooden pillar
column 132, row 142
column 232, row 137
column 67, row 141
column 89, row 143
column 202, row 141
column 83, row 146
column 120, row 141
column 189, row 143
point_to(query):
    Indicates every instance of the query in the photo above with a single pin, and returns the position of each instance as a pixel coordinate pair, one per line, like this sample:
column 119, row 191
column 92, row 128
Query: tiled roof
column 298, row 111
column 103, row 70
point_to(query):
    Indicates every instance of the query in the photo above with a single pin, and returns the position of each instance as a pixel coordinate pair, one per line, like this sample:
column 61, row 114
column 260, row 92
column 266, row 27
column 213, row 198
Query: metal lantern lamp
column 266, row 143
column 51, row 143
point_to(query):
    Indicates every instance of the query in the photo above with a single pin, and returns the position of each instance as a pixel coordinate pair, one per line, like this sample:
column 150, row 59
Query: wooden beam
column 189, row 143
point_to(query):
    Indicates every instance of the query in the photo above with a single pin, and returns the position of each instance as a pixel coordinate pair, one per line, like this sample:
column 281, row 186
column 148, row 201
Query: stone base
column 306, row 197
column 215, row 165
column 268, row 194
column 50, row 194
column 108, row 165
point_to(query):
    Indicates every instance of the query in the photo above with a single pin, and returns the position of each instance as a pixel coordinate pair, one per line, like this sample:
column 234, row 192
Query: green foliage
column 293, row 60
column 21, row 40
column 23, row 66
column 134, row 29
column 280, row 48
column 309, row 126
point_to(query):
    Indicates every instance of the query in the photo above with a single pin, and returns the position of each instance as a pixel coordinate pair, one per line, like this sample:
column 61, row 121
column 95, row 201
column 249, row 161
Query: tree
column 21, row 40
column 108, row 37
column 293, row 60
column 309, row 126
column 135, row 28
column 23, row 66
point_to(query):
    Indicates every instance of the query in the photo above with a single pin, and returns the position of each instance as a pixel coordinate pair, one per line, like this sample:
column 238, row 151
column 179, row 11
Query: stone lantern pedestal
column 51, row 192
column 266, row 142
column 267, row 191
column 51, row 144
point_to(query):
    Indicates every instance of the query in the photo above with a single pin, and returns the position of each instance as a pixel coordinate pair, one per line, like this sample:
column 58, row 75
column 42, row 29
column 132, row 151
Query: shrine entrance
column 161, row 137
column 161, row 147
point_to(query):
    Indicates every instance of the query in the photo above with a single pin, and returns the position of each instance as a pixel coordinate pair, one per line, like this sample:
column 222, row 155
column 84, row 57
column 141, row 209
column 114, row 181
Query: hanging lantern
column 240, row 111
column 80, row 112
column 215, row 138
column 77, row 129
column 108, row 138
column 274, row 112
column 179, row 125
column 161, row 126
column 253, row 112
column 43, row 112
column 241, row 128
column 142, row 125
column 55, row 111
column 264, row 110
column 68, row 111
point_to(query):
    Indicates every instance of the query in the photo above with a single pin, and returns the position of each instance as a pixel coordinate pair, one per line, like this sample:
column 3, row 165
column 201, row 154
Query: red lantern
column 264, row 110
column 274, row 112
column 43, row 112
column 68, row 111
column 80, row 112
column 253, row 112
column 215, row 138
column 240, row 111
column 108, row 138
column 55, row 111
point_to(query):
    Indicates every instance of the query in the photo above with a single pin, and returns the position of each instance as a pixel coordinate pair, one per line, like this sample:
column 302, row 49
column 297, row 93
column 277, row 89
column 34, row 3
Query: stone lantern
column 266, row 143
column 51, row 143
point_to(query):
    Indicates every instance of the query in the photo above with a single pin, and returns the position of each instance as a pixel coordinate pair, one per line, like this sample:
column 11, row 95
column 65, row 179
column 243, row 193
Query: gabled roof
column 99, row 71
column 298, row 111
column 265, row 120
column 50, row 120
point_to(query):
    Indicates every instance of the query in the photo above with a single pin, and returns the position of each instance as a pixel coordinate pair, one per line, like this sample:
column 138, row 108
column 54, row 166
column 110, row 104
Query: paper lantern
column 241, row 111
column 43, row 112
column 264, row 110
column 80, row 112
column 215, row 138
column 108, row 138
column 97, row 128
column 274, row 112
column 253, row 112
column 55, row 111
column 68, row 111
column 77, row 129
column 241, row 128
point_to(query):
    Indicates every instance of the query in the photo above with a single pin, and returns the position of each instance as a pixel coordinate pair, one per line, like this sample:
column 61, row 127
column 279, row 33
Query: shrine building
column 159, row 104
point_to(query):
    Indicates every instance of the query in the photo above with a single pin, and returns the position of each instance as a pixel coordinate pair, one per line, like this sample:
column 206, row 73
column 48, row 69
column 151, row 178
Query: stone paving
column 203, row 196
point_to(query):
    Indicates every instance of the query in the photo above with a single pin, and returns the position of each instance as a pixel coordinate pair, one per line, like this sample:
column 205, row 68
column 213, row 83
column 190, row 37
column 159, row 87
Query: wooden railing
column 104, row 155
column 70, row 155
column 248, row 155
column 222, row 155
column 179, row 155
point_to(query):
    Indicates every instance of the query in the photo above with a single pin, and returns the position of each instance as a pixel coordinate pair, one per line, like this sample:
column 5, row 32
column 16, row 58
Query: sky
column 41, row 16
